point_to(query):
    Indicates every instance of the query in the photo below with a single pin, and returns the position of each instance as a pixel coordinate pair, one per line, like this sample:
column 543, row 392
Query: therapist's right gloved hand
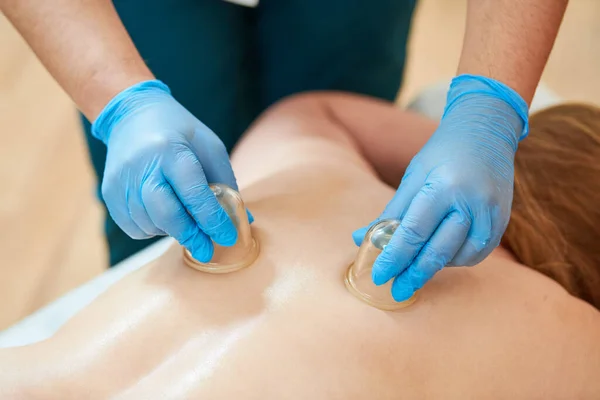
column 160, row 161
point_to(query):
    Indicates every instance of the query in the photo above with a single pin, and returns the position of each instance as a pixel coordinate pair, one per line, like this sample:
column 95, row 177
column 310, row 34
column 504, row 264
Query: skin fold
column 286, row 328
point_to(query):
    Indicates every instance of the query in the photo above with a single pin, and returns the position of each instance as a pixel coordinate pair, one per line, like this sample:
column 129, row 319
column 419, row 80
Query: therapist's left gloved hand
column 455, row 198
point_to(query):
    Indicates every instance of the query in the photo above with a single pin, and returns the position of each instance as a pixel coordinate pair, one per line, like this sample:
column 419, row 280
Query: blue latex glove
column 455, row 198
column 159, row 163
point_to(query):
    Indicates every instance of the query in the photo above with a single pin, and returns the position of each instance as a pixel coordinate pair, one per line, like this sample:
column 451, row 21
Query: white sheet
column 45, row 322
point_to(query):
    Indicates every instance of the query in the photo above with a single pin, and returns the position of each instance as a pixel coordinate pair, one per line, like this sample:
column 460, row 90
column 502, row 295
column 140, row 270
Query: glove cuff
column 466, row 84
column 120, row 105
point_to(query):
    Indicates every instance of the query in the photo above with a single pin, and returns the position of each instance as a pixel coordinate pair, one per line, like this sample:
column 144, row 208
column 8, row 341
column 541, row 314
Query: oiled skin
column 286, row 328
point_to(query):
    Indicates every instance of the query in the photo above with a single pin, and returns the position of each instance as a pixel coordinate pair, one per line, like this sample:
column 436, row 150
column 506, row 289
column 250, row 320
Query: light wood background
column 51, row 226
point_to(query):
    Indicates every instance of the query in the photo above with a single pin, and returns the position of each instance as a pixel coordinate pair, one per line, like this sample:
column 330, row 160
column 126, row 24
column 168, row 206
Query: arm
column 510, row 41
column 455, row 197
column 387, row 137
column 381, row 134
column 158, row 151
column 84, row 46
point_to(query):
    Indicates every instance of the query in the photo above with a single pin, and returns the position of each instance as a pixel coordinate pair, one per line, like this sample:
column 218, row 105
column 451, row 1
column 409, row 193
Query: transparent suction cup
column 358, row 276
column 245, row 250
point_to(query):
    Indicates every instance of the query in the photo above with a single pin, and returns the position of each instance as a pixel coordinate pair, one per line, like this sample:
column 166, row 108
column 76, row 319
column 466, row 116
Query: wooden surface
column 51, row 237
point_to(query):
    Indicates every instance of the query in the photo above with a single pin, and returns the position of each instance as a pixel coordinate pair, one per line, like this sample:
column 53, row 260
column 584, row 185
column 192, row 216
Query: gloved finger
column 169, row 215
column 138, row 213
column 435, row 255
column 406, row 192
column 250, row 216
column 473, row 251
column 215, row 162
column 424, row 215
column 186, row 176
column 115, row 198
column 359, row 235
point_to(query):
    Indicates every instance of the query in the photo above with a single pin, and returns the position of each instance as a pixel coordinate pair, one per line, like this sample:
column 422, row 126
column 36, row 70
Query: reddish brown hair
column 555, row 220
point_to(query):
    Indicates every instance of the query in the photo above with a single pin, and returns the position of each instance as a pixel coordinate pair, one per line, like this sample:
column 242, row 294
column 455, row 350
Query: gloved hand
column 159, row 163
column 455, row 198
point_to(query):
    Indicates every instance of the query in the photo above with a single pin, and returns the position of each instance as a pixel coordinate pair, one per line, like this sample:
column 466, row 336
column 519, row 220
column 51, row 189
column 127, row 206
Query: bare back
column 286, row 328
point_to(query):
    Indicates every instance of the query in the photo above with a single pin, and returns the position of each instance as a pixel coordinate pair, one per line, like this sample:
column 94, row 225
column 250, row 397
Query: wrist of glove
column 497, row 108
column 126, row 102
column 483, row 122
